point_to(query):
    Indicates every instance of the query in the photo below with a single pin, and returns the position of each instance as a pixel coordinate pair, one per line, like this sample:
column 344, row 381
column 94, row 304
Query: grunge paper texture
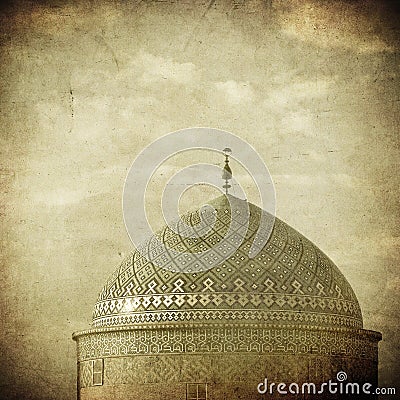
column 85, row 86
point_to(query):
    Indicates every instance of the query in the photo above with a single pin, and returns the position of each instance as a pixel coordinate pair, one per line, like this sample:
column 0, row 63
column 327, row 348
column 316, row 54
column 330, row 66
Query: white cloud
column 298, row 91
column 298, row 121
column 158, row 69
column 60, row 197
column 235, row 92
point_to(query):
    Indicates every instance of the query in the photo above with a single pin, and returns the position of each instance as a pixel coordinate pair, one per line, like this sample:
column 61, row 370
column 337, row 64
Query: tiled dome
column 289, row 282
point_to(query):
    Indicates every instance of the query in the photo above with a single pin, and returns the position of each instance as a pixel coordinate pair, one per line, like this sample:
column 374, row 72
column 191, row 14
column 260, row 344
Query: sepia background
column 85, row 86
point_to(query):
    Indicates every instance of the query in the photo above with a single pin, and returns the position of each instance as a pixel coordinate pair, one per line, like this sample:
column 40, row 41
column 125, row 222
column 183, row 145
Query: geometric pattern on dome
column 289, row 281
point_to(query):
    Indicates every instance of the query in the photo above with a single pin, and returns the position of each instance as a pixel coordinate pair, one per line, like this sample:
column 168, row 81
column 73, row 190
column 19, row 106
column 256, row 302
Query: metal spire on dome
column 227, row 172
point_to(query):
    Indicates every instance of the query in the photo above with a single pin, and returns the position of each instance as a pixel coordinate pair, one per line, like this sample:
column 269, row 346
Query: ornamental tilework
column 278, row 340
column 231, row 316
column 217, row 368
column 227, row 306
column 86, row 373
column 288, row 276
column 156, row 369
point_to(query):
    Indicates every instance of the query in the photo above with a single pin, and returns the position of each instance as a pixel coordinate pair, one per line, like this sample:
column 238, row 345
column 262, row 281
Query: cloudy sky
column 312, row 85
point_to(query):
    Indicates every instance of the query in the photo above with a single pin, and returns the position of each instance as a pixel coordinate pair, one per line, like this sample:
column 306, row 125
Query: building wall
column 110, row 372
column 227, row 376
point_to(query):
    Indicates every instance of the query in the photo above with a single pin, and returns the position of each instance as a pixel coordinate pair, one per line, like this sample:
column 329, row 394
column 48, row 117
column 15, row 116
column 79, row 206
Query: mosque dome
column 205, row 317
column 290, row 282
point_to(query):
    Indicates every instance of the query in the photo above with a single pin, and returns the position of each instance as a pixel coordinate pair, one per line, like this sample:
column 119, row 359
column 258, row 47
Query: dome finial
column 227, row 172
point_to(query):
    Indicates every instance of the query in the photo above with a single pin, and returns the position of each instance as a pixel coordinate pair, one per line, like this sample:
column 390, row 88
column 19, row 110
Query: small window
column 98, row 372
column 196, row 391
